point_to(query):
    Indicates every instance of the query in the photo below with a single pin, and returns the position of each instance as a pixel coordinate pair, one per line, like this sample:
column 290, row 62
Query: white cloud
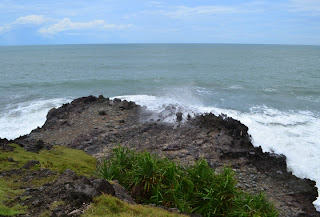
column 185, row 11
column 4, row 28
column 311, row 6
column 26, row 20
column 66, row 24
column 31, row 19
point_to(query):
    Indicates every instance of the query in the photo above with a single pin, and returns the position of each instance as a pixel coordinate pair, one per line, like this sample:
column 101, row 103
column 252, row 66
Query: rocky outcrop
column 68, row 195
column 96, row 125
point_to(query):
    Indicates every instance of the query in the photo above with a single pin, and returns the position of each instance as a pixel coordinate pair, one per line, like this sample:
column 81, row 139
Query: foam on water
column 309, row 98
column 269, row 90
column 21, row 118
column 292, row 133
column 235, row 87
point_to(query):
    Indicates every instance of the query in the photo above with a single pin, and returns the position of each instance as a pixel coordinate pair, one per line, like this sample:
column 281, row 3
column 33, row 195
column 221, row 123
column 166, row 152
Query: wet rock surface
column 96, row 125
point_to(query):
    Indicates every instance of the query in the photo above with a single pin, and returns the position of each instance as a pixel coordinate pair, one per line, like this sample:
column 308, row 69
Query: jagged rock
column 220, row 139
column 179, row 116
column 4, row 145
column 121, row 193
column 73, row 190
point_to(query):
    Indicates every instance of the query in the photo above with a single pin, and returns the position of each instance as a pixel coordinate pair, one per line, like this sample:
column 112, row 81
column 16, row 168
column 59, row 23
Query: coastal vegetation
column 106, row 205
column 194, row 188
column 41, row 179
column 58, row 159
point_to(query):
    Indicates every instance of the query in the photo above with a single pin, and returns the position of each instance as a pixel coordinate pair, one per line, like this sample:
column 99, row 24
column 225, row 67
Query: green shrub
column 192, row 189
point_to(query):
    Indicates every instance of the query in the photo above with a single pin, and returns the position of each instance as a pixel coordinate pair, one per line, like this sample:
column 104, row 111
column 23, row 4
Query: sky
column 35, row 22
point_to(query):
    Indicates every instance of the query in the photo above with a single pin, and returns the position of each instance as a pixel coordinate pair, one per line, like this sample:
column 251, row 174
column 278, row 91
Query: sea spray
column 273, row 89
column 292, row 133
column 19, row 119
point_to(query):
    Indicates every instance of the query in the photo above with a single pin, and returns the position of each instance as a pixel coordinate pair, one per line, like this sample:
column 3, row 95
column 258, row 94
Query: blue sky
column 190, row 21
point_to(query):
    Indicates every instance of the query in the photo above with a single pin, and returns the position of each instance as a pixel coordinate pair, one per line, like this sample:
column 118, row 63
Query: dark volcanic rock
column 219, row 139
column 179, row 116
column 73, row 190
column 4, row 145
column 30, row 164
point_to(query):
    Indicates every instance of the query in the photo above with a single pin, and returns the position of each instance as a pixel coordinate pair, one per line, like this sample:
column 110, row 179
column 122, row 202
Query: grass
column 58, row 159
column 191, row 189
column 151, row 179
column 6, row 192
column 106, row 205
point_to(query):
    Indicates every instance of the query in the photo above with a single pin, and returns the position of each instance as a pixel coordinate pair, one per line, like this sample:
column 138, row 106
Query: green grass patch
column 7, row 192
column 106, row 205
column 192, row 189
column 58, row 159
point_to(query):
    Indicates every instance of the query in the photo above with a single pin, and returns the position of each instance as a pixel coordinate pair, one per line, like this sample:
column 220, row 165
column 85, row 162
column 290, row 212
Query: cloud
column 66, row 25
column 31, row 19
column 26, row 20
column 4, row 28
column 310, row 6
column 185, row 11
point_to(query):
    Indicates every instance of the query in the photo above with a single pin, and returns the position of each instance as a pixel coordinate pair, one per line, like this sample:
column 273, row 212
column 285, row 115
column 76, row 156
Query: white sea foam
column 309, row 98
column 269, row 90
column 202, row 90
column 21, row 118
column 235, row 87
column 292, row 133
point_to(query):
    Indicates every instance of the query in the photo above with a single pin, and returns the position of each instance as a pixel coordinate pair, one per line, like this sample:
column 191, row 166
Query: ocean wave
column 313, row 99
column 235, row 87
column 19, row 119
column 292, row 133
column 78, row 83
column 202, row 90
column 271, row 90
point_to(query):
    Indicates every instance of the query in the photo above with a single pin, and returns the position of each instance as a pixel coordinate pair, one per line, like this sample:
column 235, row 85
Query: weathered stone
column 102, row 112
column 10, row 159
column 30, row 164
column 73, row 190
column 179, row 116
column 221, row 139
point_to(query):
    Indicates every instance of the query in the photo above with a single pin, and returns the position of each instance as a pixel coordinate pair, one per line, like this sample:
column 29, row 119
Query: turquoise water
column 231, row 76
column 273, row 89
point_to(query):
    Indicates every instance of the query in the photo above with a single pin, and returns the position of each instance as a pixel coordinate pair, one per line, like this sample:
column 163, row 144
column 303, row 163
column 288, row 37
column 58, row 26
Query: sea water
column 273, row 89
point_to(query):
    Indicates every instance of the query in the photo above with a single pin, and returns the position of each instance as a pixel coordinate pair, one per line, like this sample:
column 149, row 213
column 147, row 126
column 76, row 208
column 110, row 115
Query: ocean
column 273, row 89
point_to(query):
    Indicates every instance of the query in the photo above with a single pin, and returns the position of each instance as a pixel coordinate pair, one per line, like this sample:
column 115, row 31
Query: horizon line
column 157, row 43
